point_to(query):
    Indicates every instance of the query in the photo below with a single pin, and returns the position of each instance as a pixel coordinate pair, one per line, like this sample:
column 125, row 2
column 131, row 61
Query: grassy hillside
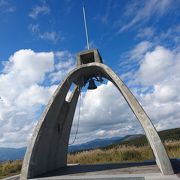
column 122, row 153
column 131, row 150
column 166, row 135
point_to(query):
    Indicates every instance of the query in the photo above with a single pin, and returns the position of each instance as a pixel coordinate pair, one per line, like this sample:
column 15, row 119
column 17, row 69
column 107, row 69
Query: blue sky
column 139, row 40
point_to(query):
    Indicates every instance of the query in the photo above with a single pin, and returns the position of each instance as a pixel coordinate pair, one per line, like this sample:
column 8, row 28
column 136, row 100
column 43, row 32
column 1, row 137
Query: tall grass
column 173, row 148
column 10, row 168
column 122, row 153
column 119, row 153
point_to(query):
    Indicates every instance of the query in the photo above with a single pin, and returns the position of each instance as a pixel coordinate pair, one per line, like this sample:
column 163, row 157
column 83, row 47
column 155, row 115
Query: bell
column 92, row 85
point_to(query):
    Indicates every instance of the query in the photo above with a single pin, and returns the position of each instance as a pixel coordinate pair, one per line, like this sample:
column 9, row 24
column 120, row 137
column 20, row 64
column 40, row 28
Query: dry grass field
column 119, row 153
column 10, row 168
column 122, row 153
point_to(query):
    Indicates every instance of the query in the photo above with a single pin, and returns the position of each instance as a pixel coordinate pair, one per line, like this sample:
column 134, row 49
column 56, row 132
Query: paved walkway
column 120, row 171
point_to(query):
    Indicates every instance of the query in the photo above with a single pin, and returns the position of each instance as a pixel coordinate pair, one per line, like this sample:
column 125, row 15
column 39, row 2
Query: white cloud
column 104, row 113
column 50, row 36
column 140, row 50
column 33, row 96
column 159, row 72
column 101, row 133
column 130, row 60
column 65, row 64
column 139, row 12
column 146, row 33
column 23, row 93
column 157, row 65
column 38, row 10
column 169, row 37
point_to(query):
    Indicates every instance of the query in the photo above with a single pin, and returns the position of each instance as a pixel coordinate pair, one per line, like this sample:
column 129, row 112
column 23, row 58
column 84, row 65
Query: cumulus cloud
column 27, row 63
column 104, row 113
column 65, row 63
column 24, row 93
column 157, row 87
column 156, row 65
column 29, row 79
column 153, row 75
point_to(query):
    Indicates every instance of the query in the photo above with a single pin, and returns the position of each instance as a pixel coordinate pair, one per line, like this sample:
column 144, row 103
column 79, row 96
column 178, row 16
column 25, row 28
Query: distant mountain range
column 165, row 135
column 99, row 143
column 136, row 140
column 14, row 154
column 7, row 154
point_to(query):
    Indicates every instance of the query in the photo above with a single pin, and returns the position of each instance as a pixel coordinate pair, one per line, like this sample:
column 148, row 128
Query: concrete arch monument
column 47, row 150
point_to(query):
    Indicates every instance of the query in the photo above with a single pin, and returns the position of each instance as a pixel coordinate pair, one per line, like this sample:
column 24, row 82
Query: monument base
column 110, row 171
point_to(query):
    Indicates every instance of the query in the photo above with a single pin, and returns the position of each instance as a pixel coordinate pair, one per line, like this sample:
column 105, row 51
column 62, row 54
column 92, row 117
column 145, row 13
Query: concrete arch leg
column 49, row 144
column 159, row 151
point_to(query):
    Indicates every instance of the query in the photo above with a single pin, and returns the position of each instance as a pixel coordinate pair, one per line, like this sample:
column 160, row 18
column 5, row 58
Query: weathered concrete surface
column 16, row 177
column 120, row 171
column 130, row 169
column 47, row 150
column 105, row 169
column 91, row 55
column 152, row 176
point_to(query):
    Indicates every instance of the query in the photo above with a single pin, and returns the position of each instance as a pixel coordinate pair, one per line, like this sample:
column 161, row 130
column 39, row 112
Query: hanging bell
column 92, row 85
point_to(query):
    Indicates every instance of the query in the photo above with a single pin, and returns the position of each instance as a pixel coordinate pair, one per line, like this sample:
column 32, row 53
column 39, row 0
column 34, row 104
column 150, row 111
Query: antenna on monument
column 85, row 25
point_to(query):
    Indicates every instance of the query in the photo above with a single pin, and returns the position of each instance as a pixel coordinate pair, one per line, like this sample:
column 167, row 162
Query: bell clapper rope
column 79, row 113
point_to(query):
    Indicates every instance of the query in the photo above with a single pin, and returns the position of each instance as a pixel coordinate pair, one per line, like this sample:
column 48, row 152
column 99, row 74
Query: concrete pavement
column 113, row 171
